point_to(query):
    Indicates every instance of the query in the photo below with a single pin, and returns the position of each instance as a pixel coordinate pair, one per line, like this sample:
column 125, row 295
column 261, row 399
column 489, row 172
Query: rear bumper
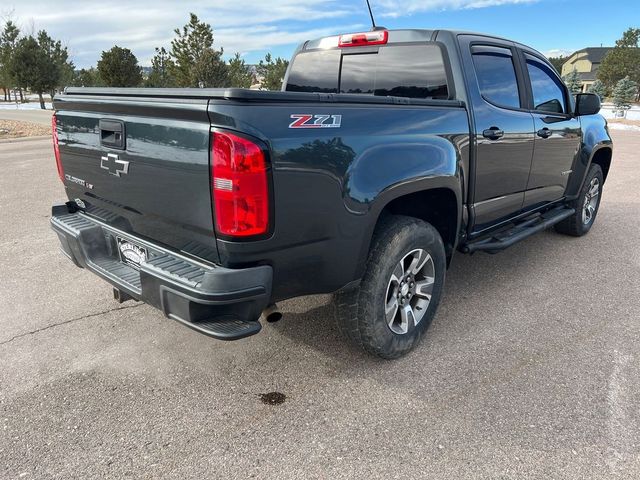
column 219, row 302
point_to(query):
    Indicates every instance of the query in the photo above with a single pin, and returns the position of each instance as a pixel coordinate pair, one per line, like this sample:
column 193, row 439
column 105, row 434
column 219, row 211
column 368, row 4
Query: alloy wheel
column 591, row 201
column 409, row 291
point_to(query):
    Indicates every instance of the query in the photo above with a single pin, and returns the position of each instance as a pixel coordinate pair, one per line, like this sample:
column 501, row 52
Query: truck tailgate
column 141, row 164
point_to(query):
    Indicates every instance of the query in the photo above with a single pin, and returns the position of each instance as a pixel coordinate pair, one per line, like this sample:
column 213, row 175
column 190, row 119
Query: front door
column 558, row 134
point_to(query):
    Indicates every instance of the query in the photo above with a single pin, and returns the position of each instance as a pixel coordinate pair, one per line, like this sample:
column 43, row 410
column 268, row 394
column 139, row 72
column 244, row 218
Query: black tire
column 576, row 225
column 361, row 311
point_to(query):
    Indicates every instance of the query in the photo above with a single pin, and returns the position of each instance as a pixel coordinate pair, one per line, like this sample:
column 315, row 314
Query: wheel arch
column 441, row 211
column 439, row 205
column 602, row 156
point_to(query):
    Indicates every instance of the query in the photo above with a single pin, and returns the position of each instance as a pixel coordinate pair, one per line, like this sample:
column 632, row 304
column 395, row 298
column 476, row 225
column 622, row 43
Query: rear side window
column 497, row 76
column 315, row 71
column 547, row 89
column 416, row 71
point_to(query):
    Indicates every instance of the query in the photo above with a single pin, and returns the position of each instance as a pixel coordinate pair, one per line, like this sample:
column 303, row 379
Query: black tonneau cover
column 243, row 94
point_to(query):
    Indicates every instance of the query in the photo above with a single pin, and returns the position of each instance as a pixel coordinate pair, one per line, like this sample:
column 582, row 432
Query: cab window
column 496, row 75
column 546, row 87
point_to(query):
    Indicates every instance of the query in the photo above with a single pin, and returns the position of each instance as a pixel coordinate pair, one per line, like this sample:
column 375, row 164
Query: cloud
column 239, row 25
column 246, row 26
column 395, row 8
column 558, row 52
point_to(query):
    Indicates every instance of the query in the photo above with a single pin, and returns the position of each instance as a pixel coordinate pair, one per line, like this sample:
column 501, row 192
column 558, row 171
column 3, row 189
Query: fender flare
column 451, row 183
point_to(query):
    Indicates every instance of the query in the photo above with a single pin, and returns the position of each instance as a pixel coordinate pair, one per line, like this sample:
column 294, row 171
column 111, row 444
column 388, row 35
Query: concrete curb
column 25, row 139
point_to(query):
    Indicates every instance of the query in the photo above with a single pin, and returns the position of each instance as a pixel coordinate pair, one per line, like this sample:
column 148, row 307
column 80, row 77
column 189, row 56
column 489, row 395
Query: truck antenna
column 373, row 22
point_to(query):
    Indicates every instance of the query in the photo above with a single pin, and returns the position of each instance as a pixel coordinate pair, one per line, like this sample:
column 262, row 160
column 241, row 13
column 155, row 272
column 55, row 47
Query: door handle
column 112, row 133
column 544, row 133
column 493, row 133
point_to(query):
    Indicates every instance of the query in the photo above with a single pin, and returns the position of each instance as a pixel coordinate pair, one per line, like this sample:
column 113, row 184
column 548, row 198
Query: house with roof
column 586, row 62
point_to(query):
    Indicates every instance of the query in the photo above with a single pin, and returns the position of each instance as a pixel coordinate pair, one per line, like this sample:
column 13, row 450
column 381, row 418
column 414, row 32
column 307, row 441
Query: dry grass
column 17, row 129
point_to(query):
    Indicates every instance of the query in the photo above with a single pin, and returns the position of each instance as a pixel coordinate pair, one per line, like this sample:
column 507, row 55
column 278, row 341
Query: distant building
column 586, row 62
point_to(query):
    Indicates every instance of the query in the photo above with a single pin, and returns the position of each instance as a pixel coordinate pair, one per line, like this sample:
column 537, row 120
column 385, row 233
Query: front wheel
column 399, row 294
column 586, row 205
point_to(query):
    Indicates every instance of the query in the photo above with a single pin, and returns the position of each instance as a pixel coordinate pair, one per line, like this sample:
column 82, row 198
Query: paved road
column 531, row 368
column 27, row 115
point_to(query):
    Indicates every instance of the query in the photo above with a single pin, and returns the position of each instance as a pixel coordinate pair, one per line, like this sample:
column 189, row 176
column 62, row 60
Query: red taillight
column 239, row 186
column 56, row 146
column 379, row 37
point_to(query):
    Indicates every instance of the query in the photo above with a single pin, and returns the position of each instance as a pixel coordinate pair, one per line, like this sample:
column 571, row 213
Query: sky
column 254, row 28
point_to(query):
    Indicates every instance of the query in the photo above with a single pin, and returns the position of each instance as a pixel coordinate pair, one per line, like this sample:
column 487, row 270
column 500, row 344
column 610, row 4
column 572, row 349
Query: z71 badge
column 305, row 120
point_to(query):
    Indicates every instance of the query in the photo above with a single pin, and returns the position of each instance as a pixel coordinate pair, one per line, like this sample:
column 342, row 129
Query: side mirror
column 587, row 104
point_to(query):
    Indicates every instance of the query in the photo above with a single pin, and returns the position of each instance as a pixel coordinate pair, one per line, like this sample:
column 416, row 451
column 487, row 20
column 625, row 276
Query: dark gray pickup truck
column 385, row 153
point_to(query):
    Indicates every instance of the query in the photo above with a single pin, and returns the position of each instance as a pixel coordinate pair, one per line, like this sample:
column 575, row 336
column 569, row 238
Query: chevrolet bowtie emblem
column 114, row 165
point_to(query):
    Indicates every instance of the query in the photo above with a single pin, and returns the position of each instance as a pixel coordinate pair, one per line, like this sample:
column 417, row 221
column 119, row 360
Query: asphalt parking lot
column 530, row 370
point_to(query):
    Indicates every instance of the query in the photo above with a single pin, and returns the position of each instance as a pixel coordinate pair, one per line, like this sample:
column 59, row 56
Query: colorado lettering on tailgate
column 305, row 120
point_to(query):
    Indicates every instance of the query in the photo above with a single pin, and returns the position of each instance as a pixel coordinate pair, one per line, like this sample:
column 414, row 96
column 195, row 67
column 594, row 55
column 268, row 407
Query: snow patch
column 24, row 106
column 623, row 126
column 608, row 110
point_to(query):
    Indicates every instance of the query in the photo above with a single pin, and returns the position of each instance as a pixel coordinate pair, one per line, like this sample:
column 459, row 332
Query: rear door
column 504, row 128
column 558, row 134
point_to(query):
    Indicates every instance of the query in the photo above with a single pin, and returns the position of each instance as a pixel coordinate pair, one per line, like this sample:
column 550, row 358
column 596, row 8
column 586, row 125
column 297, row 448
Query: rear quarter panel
column 330, row 184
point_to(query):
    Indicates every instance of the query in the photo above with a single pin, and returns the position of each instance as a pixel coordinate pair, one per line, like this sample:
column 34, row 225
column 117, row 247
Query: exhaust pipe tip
column 120, row 296
column 272, row 313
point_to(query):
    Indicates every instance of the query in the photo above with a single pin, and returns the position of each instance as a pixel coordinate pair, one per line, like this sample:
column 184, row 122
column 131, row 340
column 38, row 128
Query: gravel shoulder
column 20, row 129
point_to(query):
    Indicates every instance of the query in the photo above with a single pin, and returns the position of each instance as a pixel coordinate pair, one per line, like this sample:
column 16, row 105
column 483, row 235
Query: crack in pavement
column 90, row 315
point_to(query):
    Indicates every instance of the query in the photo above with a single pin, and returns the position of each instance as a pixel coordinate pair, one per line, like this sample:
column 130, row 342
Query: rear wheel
column 400, row 291
column 586, row 205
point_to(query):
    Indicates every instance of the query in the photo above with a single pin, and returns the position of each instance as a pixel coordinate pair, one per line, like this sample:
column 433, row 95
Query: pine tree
column 160, row 65
column 86, row 78
column 118, row 67
column 239, row 74
column 573, row 82
column 624, row 93
column 8, row 44
column 557, row 62
column 61, row 67
column 599, row 89
column 623, row 60
column 210, row 71
column 34, row 66
column 195, row 62
column 272, row 72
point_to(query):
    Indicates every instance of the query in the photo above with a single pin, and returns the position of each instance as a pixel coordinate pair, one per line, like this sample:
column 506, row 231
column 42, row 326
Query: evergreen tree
column 32, row 68
column 239, row 74
column 61, row 67
column 558, row 62
column 210, row 71
column 573, row 82
column 195, row 62
column 599, row 89
column 624, row 93
column 118, row 67
column 160, row 65
column 272, row 72
column 623, row 60
column 8, row 44
column 86, row 78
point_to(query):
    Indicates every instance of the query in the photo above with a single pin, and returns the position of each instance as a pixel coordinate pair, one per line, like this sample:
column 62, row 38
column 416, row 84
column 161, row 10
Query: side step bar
column 505, row 238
